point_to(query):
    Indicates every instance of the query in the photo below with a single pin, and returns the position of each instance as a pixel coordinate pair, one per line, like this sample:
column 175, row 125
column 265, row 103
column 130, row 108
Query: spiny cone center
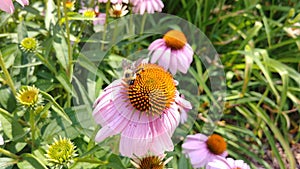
column 151, row 163
column 29, row 96
column 216, row 144
column 175, row 39
column 153, row 89
column 117, row 13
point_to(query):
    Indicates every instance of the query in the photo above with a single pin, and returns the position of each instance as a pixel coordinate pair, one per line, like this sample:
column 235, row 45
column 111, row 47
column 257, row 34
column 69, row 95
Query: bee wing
column 125, row 64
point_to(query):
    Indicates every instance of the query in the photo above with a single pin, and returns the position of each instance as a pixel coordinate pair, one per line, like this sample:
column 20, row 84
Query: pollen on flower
column 216, row 144
column 28, row 96
column 175, row 39
column 61, row 152
column 29, row 44
column 153, row 89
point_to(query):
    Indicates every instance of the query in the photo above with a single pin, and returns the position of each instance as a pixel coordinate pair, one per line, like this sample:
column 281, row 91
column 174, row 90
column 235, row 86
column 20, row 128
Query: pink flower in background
column 100, row 19
column 8, row 6
column 142, row 108
column 227, row 163
column 202, row 149
column 172, row 52
column 149, row 6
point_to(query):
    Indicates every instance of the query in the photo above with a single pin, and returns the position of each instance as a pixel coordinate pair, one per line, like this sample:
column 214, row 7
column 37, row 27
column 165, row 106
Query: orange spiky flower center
column 152, row 162
column 153, row 89
column 216, row 144
column 175, row 39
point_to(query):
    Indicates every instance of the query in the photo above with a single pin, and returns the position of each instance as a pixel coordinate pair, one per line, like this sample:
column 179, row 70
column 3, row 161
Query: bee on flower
column 142, row 108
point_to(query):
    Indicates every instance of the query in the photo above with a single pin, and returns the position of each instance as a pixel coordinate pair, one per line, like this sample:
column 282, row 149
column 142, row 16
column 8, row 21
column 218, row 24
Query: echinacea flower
column 8, row 6
column 118, row 10
column 142, row 108
column 149, row 6
column 149, row 162
column 172, row 52
column 29, row 44
column 227, row 163
column 61, row 153
column 29, row 96
column 202, row 149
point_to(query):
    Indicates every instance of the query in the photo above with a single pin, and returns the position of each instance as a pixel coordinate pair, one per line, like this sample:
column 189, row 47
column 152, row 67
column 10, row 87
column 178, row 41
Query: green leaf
column 65, row 82
column 7, row 99
column 7, row 163
column 61, row 48
column 12, row 129
column 30, row 161
column 115, row 162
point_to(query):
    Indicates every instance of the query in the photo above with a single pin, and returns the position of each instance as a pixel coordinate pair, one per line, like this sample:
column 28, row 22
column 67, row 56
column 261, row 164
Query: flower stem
column 9, row 154
column 7, row 75
column 41, row 58
column 96, row 161
column 32, row 128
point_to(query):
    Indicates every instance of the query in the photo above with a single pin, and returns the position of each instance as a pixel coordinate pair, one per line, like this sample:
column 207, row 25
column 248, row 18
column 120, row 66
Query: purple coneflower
column 202, row 149
column 8, row 6
column 149, row 6
column 172, row 52
column 227, row 163
column 142, row 108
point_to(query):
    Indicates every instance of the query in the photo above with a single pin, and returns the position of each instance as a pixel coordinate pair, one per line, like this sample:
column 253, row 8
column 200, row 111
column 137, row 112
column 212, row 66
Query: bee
column 131, row 71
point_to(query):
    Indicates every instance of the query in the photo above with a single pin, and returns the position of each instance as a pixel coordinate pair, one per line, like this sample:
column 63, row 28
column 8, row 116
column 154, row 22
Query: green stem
column 32, row 128
column 70, row 58
column 7, row 75
column 91, row 161
column 143, row 23
column 105, row 25
column 9, row 154
column 42, row 59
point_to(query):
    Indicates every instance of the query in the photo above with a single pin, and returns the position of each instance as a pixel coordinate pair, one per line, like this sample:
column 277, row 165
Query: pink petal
column 164, row 60
column 23, row 2
column 173, row 65
column 155, row 44
column 135, row 140
column 158, row 53
column 7, row 6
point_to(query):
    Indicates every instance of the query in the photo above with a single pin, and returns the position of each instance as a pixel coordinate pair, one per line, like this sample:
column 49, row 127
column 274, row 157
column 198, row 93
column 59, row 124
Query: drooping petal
column 173, row 65
column 158, row 53
column 164, row 60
